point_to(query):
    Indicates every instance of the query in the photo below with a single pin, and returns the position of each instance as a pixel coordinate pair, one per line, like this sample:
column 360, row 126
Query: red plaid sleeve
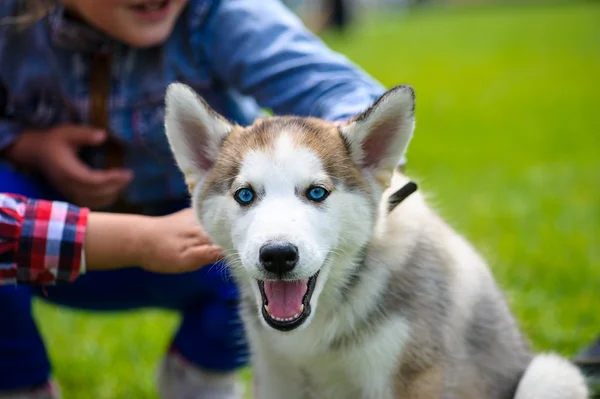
column 41, row 242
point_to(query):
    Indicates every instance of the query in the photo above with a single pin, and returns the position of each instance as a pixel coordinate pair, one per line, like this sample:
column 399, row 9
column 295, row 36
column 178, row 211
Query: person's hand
column 175, row 244
column 55, row 154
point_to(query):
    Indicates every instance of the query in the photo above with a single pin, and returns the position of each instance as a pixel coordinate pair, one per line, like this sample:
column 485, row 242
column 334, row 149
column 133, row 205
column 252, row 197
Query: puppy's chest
column 352, row 374
column 364, row 369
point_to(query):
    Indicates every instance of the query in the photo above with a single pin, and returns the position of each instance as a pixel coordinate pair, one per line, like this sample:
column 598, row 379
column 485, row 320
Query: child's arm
column 167, row 244
column 43, row 242
column 262, row 49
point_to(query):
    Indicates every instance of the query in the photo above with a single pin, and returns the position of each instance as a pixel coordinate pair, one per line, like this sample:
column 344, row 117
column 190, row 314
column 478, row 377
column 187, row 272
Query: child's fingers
column 101, row 178
column 80, row 173
column 196, row 235
column 100, row 195
column 83, row 135
column 197, row 241
column 199, row 256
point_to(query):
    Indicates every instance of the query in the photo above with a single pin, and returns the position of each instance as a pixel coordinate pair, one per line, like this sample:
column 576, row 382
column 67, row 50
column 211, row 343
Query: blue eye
column 244, row 196
column 317, row 194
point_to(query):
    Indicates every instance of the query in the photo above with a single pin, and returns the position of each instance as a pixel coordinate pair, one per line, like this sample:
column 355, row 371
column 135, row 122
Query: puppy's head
column 291, row 200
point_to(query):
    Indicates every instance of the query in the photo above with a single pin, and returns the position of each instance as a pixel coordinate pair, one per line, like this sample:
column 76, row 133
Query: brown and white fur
column 402, row 307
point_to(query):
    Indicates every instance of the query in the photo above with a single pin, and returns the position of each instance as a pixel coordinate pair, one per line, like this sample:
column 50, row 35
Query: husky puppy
column 343, row 296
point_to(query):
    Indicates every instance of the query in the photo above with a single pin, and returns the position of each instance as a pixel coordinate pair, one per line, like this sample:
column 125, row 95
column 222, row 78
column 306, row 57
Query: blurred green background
column 507, row 148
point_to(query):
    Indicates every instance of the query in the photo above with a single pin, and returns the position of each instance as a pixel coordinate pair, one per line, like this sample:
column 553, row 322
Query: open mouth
column 151, row 7
column 286, row 304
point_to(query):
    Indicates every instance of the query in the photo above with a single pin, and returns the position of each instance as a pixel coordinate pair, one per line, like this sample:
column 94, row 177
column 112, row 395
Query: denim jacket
column 242, row 56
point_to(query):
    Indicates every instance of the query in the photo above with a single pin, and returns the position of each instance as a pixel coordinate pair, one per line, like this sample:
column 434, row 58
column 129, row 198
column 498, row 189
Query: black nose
column 278, row 258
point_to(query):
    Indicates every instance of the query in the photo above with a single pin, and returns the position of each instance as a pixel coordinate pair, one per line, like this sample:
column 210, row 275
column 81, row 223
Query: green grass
column 507, row 147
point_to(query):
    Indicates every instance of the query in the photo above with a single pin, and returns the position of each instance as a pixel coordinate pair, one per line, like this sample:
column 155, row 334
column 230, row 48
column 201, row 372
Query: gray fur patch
column 408, row 292
column 496, row 346
column 355, row 278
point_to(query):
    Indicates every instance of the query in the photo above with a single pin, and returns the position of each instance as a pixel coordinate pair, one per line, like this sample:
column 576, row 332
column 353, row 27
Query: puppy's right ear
column 194, row 130
column 379, row 136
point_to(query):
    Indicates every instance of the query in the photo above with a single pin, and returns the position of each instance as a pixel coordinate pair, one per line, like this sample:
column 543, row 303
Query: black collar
column 400, row 195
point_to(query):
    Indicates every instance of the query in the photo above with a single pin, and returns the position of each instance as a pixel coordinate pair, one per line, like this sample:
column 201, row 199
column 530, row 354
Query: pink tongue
column 285, row 297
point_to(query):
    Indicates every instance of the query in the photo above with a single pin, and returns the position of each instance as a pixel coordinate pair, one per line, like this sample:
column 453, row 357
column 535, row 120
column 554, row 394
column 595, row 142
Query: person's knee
column 221, row 321
column 23, row 359
column 15, row 316
column 213, row 337
column 221, row 315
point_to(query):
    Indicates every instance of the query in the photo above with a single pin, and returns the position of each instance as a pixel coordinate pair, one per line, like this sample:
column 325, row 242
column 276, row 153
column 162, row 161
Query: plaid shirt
column 242, row 56
column 41, row 242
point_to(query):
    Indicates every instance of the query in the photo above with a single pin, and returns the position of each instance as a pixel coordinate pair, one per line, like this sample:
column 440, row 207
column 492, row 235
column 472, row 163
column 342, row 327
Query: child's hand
column 55, row 154
column 176, row 243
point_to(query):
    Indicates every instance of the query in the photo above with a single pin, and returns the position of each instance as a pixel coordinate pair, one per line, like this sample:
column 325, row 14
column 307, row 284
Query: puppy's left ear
column 379, row 137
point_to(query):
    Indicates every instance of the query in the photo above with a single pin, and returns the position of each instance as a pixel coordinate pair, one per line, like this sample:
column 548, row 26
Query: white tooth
column 285, row 319
column 300, row 308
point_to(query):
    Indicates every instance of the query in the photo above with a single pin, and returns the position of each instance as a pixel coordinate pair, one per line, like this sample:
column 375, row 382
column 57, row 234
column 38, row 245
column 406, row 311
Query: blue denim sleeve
column 263, row 50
